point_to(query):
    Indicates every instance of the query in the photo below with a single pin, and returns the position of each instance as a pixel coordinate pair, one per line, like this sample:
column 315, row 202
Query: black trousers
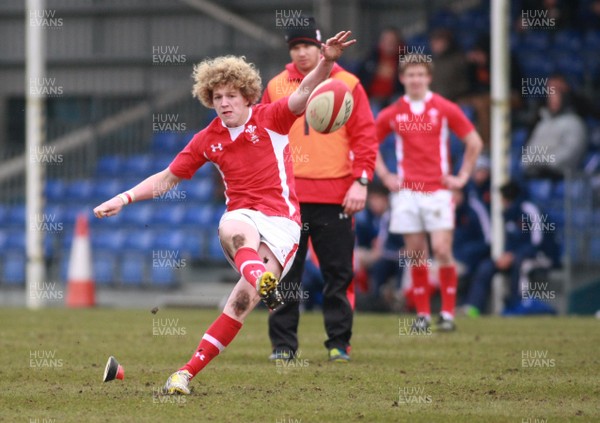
column 332, row 236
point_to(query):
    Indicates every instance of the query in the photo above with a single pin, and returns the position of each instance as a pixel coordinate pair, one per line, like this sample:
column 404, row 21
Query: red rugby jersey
column 422, row 136
column 253, row 159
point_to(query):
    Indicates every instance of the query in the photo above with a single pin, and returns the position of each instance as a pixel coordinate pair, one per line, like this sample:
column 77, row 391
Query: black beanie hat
column 308, row 34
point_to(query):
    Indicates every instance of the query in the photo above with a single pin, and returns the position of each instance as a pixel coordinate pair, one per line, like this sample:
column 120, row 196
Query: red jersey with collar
column 422, row 130
column 253, row 159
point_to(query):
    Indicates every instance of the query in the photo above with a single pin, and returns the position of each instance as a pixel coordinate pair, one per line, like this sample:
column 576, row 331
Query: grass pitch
column 490, row 370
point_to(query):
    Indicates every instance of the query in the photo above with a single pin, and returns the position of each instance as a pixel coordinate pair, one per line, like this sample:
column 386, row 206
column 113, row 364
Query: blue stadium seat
column 132, row 268
column 166, row 142
column 161, row 162
column 535, row 65
column 3, row 240
column 4, row 215
column 172, row 240
column 105, row 189
column 55, row 212
column 572, row 66
column 591, row 161
column 109, row 166
column 105, row 267
column 536, row 40
column 198, row 216
column 594, row 252
column 79, row 190
column 16, row 240
column 186, row 137
column 559, row 190
column 457, row 149
column 13, row 268
column 138, row 214
column 215, row 251
column 199, row 189
column 55, row 190
column 15, row 216
column 592, row 41
column 168, row 214
column 111, row 240
column 139, row 240
column 443, row 19
column 568, row 40
column 194, row 242
column 218, row 212
column 519, row 138
column 138, row 165
column 469, row 112
column 581, row 218
column 540, row 190
column 163, row 276
column 475, row 20
column 575, row 249
column 420, row 40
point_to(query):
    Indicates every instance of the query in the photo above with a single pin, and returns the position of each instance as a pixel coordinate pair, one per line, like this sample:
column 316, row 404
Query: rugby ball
column 329, row 106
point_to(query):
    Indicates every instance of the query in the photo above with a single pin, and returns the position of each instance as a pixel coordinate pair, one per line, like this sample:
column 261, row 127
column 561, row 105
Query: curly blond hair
column 226, row 70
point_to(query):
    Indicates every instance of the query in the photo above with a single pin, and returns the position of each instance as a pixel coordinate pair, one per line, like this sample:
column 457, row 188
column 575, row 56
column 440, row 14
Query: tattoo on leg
column 241, row 303
column 265, row 259
column 238, row 241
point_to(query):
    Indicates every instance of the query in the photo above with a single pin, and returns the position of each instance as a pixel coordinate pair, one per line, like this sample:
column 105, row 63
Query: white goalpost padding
column 500, row 130
column 35, row 68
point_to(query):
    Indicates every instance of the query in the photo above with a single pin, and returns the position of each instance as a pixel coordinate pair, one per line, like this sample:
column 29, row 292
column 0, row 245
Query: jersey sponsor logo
column 215, row 147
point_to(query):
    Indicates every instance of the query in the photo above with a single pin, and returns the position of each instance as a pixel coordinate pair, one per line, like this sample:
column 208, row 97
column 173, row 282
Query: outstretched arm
column 331, row 51
column 153, row 186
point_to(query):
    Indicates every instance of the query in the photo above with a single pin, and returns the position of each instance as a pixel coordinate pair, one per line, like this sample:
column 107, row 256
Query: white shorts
column 280, row 234
column 415, row 212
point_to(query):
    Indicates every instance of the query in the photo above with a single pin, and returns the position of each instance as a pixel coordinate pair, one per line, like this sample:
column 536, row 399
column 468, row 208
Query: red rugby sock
column 420, row 280
column 249, row 264
column 216, row 338
column 448, row 281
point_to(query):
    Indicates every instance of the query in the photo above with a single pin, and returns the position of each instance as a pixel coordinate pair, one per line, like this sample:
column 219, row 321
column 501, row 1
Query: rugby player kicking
column 248, row 144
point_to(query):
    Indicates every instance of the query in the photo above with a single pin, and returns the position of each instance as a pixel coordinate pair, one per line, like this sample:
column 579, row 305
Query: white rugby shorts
column 280, row 234
column 415, row 211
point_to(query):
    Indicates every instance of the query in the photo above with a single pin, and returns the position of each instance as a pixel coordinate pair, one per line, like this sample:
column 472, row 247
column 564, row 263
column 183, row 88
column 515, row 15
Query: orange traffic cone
column 113, row 370
column 80, row 284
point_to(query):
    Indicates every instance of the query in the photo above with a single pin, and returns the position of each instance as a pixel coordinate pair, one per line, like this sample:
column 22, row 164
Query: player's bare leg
column 417, row 252
column 241, row 302
column 441, row 244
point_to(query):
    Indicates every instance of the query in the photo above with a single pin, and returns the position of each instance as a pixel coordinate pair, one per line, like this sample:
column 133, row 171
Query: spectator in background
column 479, row 77
column 558, row 141
column 449, row 77
column 590, row 15
column 581, row 104
column 472, row 232
column 563, row 13
column 377, row 249
column 481, row 181
column 478, row 93
column 527, row 237
column 378, row 72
